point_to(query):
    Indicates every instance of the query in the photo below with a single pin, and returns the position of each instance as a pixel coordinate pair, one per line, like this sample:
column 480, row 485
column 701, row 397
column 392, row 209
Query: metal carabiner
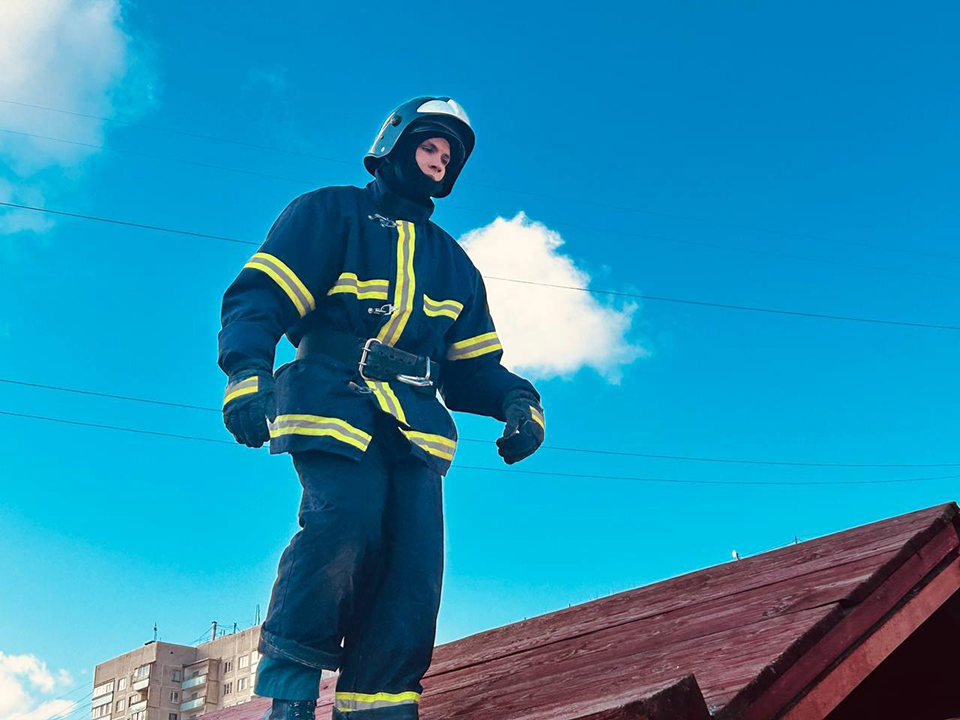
column 360, row 390
column 384, row 221
column 387, row 309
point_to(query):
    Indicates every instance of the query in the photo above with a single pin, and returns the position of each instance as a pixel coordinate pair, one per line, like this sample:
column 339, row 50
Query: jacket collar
column 396, row 207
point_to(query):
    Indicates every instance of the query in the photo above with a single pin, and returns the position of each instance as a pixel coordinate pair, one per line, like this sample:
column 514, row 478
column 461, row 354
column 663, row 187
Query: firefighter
column 386, row 311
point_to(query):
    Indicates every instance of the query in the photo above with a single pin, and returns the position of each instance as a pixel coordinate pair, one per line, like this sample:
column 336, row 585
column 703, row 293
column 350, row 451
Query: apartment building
column 165, row 681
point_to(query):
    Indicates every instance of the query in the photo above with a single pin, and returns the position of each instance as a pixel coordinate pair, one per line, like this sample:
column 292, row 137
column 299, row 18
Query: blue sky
column 764, row 155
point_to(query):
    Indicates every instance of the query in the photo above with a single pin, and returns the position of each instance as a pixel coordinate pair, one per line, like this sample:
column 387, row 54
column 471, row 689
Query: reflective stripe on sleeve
column 474, row 347
column 318, row 425
column 405, row 287
column 438, row 445
column 349, row 701
column 442, row 308
column 287, row 280
column 389, row 402
column 247, row 386
column 537, row 417
column 363, row 289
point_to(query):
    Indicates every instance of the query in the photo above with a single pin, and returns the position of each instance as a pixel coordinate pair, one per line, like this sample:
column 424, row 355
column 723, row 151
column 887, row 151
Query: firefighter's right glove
column 525, row 427
column 247, row 403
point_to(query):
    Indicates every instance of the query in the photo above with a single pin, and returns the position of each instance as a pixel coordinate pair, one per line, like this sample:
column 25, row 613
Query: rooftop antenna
column 154, row 632
column 213, row 635
column 258, row 614
column 234, row 628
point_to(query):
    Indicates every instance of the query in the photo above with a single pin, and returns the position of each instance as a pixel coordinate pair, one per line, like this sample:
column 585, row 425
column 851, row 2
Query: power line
column 126, row 223
column 73, row 709
column 805, row 483
column 616, row 293
column 117, row 428
column 547, row 196
column 618, row 232
column 592, row 451
column 671, row 481
column 726, row 306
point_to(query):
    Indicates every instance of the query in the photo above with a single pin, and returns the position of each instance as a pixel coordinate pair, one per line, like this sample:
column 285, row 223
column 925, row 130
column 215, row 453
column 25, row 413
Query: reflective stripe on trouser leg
column 328, row 561
column 388, row 649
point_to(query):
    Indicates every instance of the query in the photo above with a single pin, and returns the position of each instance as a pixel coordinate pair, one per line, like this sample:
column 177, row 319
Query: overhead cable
column 561, row 223
column 616, row 293
column 592, row 451
column 669, row 481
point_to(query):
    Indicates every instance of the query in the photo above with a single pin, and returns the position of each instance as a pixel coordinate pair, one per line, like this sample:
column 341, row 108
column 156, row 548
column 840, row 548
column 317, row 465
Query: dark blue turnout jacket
column 332, row 256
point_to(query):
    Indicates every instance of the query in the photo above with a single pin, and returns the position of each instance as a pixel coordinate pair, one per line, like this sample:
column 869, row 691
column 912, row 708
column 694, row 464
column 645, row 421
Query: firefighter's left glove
column 525, row 427
column 247, row 403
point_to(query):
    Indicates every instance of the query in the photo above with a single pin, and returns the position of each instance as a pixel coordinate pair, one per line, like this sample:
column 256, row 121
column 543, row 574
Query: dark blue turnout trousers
column 365, row 569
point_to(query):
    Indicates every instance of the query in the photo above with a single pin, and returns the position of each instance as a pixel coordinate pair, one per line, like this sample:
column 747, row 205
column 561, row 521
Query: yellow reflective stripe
column 406, row 284
column 379, row 697
column 438, row 308
column 537, row 417
column 319, row 425
column 288, row 281
column 389, row 402
column 438, row 445
column 474, row 347
column 238, row 389
column 363, row 289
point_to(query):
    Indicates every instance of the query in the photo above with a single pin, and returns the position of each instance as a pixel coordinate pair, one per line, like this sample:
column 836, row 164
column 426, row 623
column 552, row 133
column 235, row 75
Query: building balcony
column 102, row 700
column 137, row 707
column 140, row 684
column 192, row 704
column 193, row 682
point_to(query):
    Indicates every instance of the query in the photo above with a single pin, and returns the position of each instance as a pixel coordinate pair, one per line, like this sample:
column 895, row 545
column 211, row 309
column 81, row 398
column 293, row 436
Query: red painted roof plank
column 737, row 628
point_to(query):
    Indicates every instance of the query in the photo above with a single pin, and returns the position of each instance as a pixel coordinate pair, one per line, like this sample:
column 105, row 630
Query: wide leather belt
column 373, row 359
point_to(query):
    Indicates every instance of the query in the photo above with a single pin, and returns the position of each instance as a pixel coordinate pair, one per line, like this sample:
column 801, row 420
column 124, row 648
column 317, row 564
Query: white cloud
column 22, row 679
column 72, row 55
column 66, row 54
column 548, row 332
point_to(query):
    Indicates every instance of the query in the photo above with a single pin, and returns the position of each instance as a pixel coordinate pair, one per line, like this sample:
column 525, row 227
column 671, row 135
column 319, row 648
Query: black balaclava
column 403, row 175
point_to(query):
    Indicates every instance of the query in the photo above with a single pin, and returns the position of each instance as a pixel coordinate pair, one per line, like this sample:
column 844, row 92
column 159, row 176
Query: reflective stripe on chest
column 405, row 285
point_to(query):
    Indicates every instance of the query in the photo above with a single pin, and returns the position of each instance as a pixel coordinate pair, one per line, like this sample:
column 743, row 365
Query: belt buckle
column 422, row 381
column 367, row 348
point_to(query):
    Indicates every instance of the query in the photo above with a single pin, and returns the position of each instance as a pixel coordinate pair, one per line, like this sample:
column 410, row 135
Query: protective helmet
column 441, row 115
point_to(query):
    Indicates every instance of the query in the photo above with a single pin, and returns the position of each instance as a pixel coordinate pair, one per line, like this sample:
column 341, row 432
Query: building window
column 141, row 715
column 120, row 704
column 174, row 696
column 141, row 672
column 244, row 662
column 103, row 689
column 227, row 666
column 227, row 688
column 134, row 699
column 176, row 676
column 241, row 684
column 254, row 657
column 172, row 716
column 99, row 712
column 122, row 683
column 193, row 696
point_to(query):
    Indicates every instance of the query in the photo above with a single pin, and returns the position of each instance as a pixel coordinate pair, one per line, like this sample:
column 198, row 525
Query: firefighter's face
column 433, row 155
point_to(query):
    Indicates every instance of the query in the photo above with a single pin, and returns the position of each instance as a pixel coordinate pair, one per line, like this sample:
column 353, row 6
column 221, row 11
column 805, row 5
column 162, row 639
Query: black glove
column 247, row 403
column 525, row 426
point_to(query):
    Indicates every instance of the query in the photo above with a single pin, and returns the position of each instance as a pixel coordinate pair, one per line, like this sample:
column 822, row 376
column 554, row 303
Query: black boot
column 291, row 710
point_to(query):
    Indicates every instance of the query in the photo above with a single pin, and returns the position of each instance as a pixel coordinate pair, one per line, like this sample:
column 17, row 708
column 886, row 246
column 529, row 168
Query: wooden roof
column 789, row 633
